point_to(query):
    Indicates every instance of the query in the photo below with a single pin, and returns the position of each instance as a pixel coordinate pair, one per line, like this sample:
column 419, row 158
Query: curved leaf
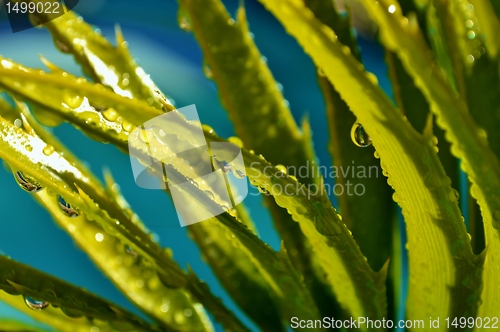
column 443, row 257
column 468, row 141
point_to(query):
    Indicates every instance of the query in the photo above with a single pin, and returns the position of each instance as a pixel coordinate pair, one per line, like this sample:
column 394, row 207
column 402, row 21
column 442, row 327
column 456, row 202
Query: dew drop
column 143, row 136
column 27, row 183
column 209, row 194
column 281, row 168
column 72, row 313
column 129, row 251
column 73, row 101
column 391, row 9
column 66, row 208
column 359, row 136
column 127, row 126
column 184, row 23
column 35, row 304
column 453, row 195
column 18, row 123
column 207, row 128
column 179, row 317
column 346, row 50
column 262, row 190
column 231, row 21
column 207, row 70
column 372, row 78
column 321, row 72
column 221, row 164
column 236, row 141
column 110, row 114
column 239, row 174
column 48, row 150
column 62, row 46
column 29, row 147
column 188, row 312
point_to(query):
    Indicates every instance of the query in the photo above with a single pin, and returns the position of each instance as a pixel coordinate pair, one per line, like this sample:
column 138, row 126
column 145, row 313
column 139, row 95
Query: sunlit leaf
column 468, row 142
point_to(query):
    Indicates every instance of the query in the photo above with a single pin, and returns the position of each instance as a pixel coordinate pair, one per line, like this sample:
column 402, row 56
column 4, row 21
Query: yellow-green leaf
column 440, row 254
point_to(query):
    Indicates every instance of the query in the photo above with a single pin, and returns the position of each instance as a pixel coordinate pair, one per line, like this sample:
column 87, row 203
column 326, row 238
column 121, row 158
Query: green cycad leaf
column 468, row 141
column 368, row 225
column 258, row 111
column 442, row 258
column 41, row 290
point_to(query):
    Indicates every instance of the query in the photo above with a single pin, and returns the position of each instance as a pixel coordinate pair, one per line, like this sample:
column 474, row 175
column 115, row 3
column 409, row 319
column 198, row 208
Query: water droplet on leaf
column 129, row 251
column 62, row 46
column 66, row 208
column 359, row 136
column 281, row 168
column 221, row 164
column 48, row 150
column 27, row 183
column 207, row 70
column 35, row 304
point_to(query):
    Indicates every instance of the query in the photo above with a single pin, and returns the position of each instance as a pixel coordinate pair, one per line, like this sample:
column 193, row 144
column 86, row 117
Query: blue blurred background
column 174, row 60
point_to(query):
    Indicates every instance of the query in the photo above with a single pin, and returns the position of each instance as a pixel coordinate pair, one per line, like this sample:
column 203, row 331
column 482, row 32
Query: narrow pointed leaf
column 429, row 206
column 468, row 140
